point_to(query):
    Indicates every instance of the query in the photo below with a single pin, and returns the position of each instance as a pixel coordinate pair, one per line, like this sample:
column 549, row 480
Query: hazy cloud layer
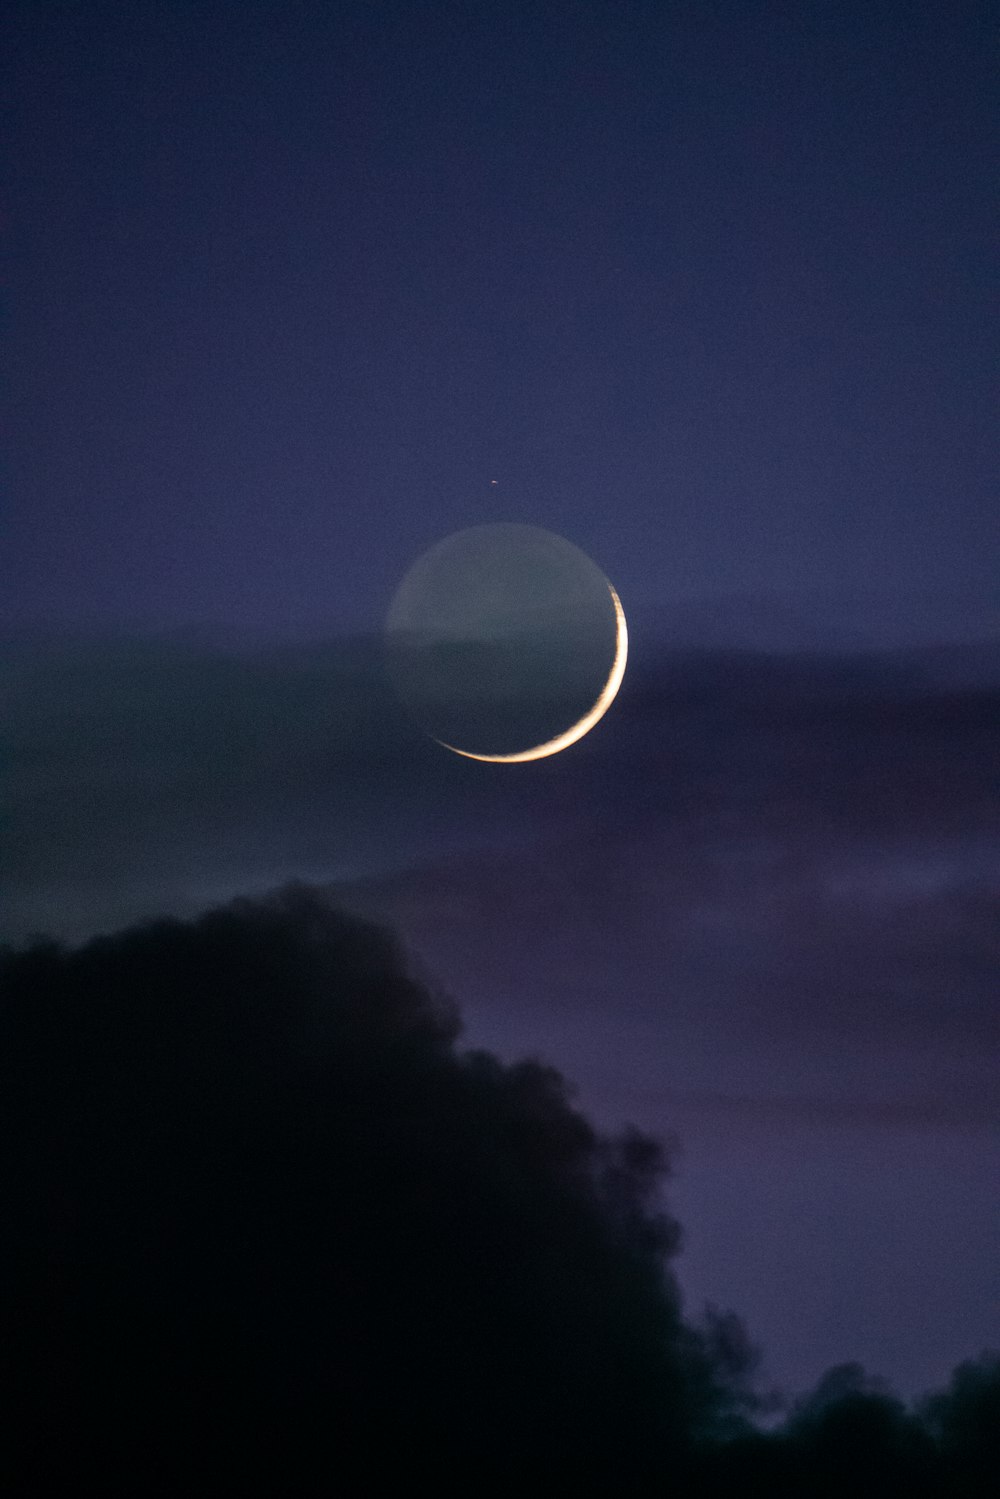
column 798, row 855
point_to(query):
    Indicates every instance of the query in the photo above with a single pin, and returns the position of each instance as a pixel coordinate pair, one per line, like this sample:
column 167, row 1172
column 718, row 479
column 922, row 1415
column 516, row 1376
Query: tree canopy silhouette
column 266, row 1224
column 267, row 1229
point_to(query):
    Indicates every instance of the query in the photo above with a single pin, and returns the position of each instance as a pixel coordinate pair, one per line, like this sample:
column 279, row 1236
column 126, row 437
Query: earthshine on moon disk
column 506, row 643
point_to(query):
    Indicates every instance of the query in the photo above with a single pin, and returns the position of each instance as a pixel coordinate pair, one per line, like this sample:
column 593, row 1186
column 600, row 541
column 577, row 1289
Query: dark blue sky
column 702, row 286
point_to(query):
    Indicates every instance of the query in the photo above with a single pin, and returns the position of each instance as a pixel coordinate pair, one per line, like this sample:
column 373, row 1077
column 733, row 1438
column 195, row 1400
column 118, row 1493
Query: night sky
column 294, row 290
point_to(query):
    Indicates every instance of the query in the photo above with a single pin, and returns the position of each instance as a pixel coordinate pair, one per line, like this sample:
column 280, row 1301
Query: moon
column 607, row 696
column 506, row 643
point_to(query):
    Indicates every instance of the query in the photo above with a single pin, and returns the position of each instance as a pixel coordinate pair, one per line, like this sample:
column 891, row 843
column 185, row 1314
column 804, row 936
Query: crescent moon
column 563, row 741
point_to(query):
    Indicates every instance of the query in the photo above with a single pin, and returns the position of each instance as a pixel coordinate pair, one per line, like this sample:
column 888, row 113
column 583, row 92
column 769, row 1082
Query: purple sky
column 703, row 287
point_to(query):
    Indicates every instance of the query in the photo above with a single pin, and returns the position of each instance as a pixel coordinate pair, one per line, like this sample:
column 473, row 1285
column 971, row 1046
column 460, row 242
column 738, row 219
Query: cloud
column 145, row 774
column 762, row 979
column 792, row 855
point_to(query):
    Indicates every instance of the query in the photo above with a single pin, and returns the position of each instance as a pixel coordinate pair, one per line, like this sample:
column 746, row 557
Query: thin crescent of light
column 563, row 741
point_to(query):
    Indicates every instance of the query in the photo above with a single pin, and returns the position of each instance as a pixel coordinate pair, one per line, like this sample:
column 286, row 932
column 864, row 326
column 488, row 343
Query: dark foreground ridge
column 267, row 1231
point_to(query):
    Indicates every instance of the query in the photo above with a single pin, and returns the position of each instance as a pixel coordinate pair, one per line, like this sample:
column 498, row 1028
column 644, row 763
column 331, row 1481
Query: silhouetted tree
column 266, row 1230
column 964, row 1420
column 852, row 1435
column 265, row 1226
